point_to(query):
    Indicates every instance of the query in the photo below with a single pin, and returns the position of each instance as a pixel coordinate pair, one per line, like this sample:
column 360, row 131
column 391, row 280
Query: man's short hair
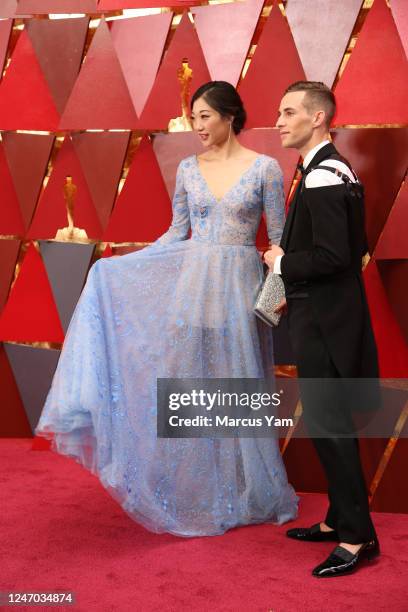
column 318, row 97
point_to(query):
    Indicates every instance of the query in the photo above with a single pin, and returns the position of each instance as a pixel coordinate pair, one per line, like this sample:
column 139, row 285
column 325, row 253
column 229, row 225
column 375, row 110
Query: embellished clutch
column 271, row 294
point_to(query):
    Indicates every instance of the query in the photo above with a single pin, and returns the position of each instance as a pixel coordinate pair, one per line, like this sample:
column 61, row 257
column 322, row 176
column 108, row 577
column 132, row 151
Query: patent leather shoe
column 312, row 534
column 342, row 561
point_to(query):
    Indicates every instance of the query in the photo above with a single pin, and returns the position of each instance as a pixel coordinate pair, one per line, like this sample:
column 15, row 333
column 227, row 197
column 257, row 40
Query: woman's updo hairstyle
column 224, row 98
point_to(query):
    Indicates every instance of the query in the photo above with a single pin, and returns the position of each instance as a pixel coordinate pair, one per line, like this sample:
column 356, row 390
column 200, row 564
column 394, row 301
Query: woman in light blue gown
column 182, row 307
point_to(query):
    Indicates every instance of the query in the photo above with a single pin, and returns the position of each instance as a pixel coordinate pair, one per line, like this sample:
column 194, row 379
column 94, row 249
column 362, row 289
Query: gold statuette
column 184, row 76
column 70, row 232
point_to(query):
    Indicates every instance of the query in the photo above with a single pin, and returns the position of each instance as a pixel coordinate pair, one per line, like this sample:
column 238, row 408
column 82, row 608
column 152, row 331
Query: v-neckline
column 219, row 200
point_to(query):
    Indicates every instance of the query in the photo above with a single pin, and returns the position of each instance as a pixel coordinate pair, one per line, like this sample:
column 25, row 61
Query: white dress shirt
column 319, row 178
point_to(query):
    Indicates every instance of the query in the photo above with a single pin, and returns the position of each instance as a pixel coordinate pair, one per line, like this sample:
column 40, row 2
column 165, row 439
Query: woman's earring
column 229, row 133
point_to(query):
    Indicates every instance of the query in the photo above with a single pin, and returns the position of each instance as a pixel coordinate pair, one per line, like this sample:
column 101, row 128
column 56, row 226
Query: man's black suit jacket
column 324, row 241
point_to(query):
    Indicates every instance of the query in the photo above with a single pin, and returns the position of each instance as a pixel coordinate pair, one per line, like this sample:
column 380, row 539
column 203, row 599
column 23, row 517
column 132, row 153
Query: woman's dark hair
column 224, row 98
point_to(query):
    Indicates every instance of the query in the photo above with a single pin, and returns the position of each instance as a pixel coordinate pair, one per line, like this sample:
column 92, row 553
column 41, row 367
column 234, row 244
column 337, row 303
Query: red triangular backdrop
column 27, row 156
column 8, row 256
column 374, row 85
column 56, row 6
column 392, row 348
column 263, row 85
column 143, row 210
column 51, row 212
column 391, row 491
column 380, row 158
column 8, row 8
column 11, row 219
column 122, row 4
column 5, row 29
column 139, row 44
column 107, row 252
column 164, row 102
column 322, row 54
column 101, row 155
column 59, row 44
column 14, row 422
column 225, row 57
column 399, row 9
column 394, row 275
column 100, row 98
column 24, row 81
column 393, row 243
column 30, row 314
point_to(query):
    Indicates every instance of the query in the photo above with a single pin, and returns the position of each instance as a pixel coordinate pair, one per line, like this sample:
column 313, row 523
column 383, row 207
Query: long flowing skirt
column 181, row 310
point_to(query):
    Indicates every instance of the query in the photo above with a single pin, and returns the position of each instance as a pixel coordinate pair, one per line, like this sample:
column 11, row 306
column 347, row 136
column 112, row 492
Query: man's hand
column 282, row 307
column 271, row 255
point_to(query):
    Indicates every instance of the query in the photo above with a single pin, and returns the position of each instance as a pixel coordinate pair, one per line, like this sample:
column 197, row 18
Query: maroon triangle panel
column 185, row 44
column 111, row 5
column 308, row 474
column 60, row 260
column 13, row 422
column 170, row 149
column 101, row 156
column 27, row 156
column 143, row 211
column 380, row 158
column 33, row 369
column 5, row 30
column 100, row 98
column 374, row 84
column 41, row 7
column 107, row 252
column 393, row 243
column 8, row 8
column 11, row 219
column 399, row 9
column 225, row 61
column 51, row 213
column 391, row 494
column 30, row 314
column 334, row 21
column 8, row 256
column 371, row 451
column 25, row 100
column 264, row 83
column 392, row 348
column 59, row 44
column 305, row 474
column 139, row 44
column 394, row 275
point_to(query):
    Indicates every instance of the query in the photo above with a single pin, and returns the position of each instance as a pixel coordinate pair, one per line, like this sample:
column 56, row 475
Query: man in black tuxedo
column 329, row 325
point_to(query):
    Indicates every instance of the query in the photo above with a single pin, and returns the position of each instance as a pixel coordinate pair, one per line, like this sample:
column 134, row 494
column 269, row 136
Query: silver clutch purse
column 271, row 294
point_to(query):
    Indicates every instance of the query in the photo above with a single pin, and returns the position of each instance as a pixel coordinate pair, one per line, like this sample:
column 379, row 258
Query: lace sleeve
column 273, row 200
column 180, row 224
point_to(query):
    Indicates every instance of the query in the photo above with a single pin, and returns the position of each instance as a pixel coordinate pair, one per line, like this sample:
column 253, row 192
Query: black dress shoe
column 341, row 561
column 312, row 534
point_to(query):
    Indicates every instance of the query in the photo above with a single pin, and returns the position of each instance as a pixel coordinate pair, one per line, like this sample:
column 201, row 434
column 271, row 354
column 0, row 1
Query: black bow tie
column 301, row 169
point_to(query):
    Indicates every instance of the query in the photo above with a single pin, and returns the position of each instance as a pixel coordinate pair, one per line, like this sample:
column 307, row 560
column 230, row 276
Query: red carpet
column 60, row 530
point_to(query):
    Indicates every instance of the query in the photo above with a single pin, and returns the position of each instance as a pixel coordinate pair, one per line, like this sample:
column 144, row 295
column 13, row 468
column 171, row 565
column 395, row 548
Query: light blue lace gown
column 182, row 307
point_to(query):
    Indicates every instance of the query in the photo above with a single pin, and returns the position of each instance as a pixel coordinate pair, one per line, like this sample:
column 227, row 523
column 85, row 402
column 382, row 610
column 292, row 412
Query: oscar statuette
column 70, row 233
column 184, row 76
